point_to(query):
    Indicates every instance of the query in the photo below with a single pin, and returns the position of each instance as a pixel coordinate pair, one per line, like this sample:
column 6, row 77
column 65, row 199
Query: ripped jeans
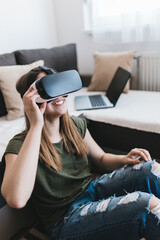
column 115, row 206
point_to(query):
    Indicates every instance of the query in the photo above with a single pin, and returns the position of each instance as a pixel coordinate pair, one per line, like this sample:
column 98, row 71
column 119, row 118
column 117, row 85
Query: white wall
column 26, row 24
column 69, row 18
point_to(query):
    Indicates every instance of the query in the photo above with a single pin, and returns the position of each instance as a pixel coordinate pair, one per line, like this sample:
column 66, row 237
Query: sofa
column 113, row 137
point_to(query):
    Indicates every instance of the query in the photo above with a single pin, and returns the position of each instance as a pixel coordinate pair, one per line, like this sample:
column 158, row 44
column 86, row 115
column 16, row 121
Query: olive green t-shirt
column 54, row 191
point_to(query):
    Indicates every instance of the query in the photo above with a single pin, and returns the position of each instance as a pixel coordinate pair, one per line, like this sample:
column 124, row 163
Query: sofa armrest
column 15, row 222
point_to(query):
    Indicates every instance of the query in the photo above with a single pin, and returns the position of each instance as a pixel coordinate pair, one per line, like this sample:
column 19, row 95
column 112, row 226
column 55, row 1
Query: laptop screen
column 117, row 84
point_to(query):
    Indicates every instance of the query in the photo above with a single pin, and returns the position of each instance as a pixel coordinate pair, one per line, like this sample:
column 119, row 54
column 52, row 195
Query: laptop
column 109, row 100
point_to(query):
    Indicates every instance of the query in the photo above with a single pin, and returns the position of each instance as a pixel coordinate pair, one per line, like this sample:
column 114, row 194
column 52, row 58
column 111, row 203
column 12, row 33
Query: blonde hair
column 73, row 141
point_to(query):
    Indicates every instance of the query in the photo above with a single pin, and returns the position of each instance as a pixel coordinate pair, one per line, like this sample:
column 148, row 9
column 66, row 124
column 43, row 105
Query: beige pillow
column 105, row 66
column 8, row 78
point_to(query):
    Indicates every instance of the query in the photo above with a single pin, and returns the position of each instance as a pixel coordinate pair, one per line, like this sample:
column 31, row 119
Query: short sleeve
column 15, row 144
column 81, row 125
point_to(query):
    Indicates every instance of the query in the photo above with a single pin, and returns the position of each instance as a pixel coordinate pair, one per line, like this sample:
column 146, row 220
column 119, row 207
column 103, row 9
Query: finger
column 33, row 92
column 31, row 97
column 141, row 154
column 43, row 107
column 34, row 97
column 146, row 152
column 31, row 101
column 136, row 156
column 132, row 161
column 133, row 153
column 30, row 91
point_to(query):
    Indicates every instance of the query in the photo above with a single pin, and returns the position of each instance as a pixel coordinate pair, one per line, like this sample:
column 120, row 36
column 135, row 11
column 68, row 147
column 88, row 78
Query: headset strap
column 48, row 71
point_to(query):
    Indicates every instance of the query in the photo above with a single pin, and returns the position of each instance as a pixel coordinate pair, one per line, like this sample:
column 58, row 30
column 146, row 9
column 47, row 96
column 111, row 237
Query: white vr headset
column 56, row 84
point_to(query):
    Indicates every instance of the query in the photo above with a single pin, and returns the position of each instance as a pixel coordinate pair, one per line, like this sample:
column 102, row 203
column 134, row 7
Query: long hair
column 73, row 141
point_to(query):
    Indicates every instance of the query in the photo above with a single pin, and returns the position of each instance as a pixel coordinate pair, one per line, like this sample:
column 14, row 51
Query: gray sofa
column 61, row 58
column 15, row 223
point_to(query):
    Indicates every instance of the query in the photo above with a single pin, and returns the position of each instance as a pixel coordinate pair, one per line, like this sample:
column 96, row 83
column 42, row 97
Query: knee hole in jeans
column 138, row 166
column 130, row 197
column 156, row 169
column 85, row 210
column 154, row 201
column 154, row 206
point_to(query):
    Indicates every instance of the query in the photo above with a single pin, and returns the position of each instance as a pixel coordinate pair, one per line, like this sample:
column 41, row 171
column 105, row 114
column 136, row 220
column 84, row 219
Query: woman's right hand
column 33, row 112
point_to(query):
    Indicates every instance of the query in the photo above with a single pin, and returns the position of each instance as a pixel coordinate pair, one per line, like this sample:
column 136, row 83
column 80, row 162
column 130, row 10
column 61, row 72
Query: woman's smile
column 58, row 101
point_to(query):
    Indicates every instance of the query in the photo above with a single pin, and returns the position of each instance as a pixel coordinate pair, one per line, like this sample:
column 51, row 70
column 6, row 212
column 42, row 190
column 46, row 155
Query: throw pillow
column 8, row 78
column 105, row 66
column 6, row 59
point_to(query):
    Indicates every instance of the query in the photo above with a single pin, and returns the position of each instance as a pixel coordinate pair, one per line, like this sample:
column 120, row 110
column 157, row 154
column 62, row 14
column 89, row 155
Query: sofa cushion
column 5, row 60
column 8, row 78
column 15, row 222
column 61, row 58
column 105, row 66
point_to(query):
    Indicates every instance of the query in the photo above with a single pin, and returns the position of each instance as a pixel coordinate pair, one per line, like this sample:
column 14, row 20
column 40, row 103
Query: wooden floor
column 34, row 234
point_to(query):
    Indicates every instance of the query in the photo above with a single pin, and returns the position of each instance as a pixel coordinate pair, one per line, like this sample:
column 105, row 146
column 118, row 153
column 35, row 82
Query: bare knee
column 156, row 169
column 154, row 201
column 156, row 166
column 155, row 207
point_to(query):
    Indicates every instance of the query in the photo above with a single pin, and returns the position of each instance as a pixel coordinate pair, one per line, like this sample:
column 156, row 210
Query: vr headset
column 56, row 84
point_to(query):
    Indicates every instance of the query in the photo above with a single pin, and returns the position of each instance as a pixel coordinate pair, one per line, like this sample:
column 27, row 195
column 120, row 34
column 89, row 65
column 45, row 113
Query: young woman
column 48, row 164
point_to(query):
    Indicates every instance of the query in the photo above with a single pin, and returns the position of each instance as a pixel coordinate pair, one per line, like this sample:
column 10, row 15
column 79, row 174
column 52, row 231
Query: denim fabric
column 115, row 206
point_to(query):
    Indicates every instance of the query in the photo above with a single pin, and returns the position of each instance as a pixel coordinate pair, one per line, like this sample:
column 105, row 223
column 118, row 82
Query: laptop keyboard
column 97, row 100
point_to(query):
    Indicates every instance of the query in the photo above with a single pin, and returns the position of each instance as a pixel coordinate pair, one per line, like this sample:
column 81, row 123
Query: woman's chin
column 57, row 112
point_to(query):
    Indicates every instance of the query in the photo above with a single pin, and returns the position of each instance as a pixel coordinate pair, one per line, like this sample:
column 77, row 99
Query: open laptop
column 88, row 102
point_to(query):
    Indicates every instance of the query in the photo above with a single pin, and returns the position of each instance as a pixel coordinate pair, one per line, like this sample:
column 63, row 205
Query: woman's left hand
column 135, row 154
